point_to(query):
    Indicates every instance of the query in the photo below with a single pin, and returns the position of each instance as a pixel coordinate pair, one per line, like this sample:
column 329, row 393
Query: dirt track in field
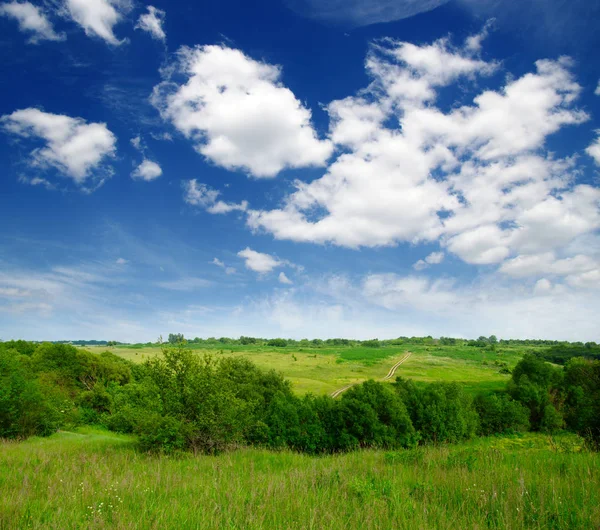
column 390, row 374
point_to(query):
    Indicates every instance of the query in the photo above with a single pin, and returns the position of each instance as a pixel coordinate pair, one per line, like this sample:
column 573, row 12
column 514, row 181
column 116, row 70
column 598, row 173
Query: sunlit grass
column 325, row 369
column 98, row 480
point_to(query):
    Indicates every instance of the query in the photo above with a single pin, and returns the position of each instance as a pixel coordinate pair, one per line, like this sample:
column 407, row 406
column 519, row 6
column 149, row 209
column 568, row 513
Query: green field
column 323, row 370
column 93, row 479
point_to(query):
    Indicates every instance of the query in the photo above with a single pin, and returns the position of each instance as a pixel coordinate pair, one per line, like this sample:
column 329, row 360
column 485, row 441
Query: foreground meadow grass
column 95, row 479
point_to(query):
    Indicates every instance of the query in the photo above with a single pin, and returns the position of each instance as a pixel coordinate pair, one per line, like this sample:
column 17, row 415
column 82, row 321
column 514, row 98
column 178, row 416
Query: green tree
column 536, row 385
column 498, row 413
column 175, row 338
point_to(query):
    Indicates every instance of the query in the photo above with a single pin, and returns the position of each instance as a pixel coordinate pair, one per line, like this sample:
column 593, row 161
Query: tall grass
column 98, row 480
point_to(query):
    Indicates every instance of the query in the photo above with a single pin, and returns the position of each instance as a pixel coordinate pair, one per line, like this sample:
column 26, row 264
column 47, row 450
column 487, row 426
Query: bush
column 23, row 410
column 376, row 416
column 193, row 392
column 279, row 343
column 498, row 414
column 165, row 434
column 440, row 412
column 535, row 384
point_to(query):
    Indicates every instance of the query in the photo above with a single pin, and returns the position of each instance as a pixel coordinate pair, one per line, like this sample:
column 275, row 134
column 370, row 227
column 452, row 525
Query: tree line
column 182, row 401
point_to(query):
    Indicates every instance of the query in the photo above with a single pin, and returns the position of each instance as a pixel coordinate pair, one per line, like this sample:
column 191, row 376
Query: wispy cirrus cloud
column 203, row 196
column 357, row 13
column 184, row 284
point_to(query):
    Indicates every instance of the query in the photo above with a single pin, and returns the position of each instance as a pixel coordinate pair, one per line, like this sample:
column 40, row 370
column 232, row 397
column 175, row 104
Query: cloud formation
column 594, row 150
column 98, row 17
column 284, row 279
column 203, row 196
column 259, row 262
column 77, row 149
column 152, row 22
column 219, row 263
column 147, row 170
column 238, row 114
column 477, row 178
column 32, row 20
column 435, row 258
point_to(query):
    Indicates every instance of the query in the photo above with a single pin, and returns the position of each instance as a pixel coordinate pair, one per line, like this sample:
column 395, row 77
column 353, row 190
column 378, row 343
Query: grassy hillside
column 94, row 479
column 322, row 370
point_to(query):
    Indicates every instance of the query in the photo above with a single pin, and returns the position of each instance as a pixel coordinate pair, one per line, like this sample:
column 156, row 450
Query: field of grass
column 94, row 480
column 322, row 370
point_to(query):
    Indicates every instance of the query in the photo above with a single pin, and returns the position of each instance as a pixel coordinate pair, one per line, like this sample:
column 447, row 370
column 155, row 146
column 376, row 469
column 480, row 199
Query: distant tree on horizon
column 176, row 338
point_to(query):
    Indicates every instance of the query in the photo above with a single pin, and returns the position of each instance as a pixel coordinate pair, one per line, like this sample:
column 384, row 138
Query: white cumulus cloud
column 152, row 22
column 435, row 258
column 477, row 178
column 238, row 114
column 98, row 17
column 74, row 147
column 147, row 170
column 594, row 150
column 259, row 262
column 32, row 20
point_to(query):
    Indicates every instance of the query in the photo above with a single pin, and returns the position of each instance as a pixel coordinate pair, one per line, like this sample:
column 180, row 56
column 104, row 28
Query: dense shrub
column 367, row 415
column 537, row 385
column 582, row 401
column 194, row 394
column 23, row 409
column 182, row 401
column 440, row 412
column 498, row 414
column 280, row 343
column 376, row 416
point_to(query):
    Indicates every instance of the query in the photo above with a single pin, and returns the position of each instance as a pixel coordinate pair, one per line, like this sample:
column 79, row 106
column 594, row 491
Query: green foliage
column 582, row 403
column 182, row 400
column 47, row 386
column 368, row 415
column 536, row 384
column 562, row 353
column 440, row 412
column 374, row 343
column 279, row 343
column 175, row 338
column 165, row 434
column 499, row 414
column 376, row 416
column 23, row 410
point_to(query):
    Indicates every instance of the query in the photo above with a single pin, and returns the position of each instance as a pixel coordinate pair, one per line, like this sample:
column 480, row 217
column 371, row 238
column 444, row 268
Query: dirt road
column 390, row 374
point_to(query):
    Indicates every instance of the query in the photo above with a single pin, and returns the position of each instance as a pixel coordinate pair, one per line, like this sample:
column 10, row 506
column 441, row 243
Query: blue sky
column 299, row 168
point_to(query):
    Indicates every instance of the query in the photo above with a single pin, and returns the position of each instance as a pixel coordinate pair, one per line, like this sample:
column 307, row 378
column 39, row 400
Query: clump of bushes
column 180, row 401
column 279, row 343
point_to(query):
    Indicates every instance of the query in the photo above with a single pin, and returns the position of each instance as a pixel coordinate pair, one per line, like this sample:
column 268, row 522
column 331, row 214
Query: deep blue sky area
column 301, row 168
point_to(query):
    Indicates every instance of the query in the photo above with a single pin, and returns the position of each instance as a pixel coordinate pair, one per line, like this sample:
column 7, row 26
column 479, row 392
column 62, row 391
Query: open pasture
column 322, row 370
